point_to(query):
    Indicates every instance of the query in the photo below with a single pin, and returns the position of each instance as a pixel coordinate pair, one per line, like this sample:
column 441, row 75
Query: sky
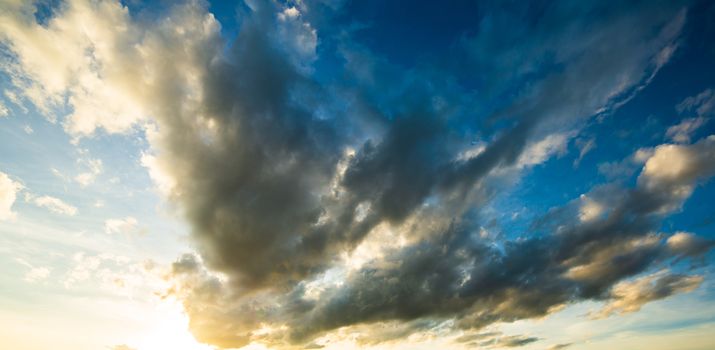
column 334, row 174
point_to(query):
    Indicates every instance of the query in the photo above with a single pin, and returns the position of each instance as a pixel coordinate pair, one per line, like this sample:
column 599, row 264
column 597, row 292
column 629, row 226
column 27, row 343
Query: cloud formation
column 54, row 205
column 318, row 205
column 630, row 296
column 8, row 194
column 125, row 225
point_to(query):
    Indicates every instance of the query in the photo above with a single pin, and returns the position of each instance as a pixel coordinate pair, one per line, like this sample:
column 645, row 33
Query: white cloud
column 94, row 168
column 116, row 274
column 3, row 110
column 34, row 274
column 298, row 36
column 59, row 175
column 64, row 57
column 28, row 129
column 668, row 162
column 683, row 131
column 162, row 178
column 126, row 225
column 37, row 274
column 542, row 150
column 590, row 209
column 8, row 194
column 674, row 170
column 54, row 205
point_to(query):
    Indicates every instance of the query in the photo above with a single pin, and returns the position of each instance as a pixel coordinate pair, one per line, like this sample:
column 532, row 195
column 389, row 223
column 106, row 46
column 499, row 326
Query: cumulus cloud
column 8, row 194
column 284, row 180
column 54, row 205
column 670, row 174
column 64, row 58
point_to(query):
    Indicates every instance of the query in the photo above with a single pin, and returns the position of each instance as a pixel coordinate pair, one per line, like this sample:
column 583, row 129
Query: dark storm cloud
column 266, row 179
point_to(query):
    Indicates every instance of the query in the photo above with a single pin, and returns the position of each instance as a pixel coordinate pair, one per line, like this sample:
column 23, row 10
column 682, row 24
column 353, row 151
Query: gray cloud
column 702, row 104
column 271, row 206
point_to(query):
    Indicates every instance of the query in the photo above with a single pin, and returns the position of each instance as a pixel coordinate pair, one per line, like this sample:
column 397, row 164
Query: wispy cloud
column 53, row 204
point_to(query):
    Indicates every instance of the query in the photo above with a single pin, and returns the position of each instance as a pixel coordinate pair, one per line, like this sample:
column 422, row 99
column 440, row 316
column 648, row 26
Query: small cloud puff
column 128, row 224
column 8, row 194
column 53, row 204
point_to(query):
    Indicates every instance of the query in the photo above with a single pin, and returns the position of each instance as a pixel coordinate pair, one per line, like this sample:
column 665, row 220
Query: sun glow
column 171, row 331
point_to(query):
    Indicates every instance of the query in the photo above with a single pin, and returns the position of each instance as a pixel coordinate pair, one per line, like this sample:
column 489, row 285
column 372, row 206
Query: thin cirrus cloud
column 320, row 205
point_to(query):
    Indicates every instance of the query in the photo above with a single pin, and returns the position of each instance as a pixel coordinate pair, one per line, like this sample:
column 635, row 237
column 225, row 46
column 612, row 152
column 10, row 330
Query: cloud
column 94, row 168
column 515, row 341
column 35, row 273
column 83, row 64
column 703, row 104
column 540, row 151
column 670, row 174
column 121, row 347
column 54, row 205
column 630, row 296
column 686, row 243
column 590, row 209
column 585, row 146
column 681, row 132
column 126, row 225
column 8, row 194
column 495, row 340
column 281, row 175
column 4, row 112
column 161, row 178
column 114, row 274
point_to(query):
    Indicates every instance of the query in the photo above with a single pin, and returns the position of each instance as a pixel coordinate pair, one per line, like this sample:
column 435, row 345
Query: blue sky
column 356, row 174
